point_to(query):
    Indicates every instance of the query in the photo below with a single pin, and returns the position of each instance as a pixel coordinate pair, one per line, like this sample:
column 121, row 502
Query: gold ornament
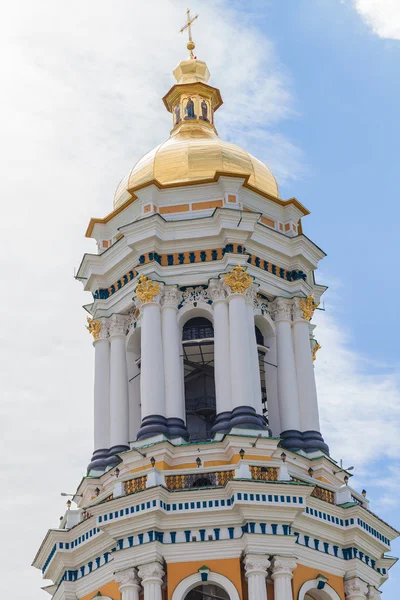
column 238, row 280
column 308, row 307
column 315, row 350
column 94, row 327
column 147, row 290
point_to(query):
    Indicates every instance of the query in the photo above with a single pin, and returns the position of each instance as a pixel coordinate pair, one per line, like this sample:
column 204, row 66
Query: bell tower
column 209, row 476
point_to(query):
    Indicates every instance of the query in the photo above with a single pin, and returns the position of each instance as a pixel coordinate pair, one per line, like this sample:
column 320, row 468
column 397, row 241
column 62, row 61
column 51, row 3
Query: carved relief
column 281, row 309
column 354, row 588
column 94, row 327
column 151, row 573
column 216, row 290
column 171, row 296
column 117, row 325
column 238, row 280
column 308, row 307
column 195, row 294
column 147, row 290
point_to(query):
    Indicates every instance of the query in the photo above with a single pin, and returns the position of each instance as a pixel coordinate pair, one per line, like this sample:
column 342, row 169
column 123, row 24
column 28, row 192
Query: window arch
column 309, row 591
column 189, row 583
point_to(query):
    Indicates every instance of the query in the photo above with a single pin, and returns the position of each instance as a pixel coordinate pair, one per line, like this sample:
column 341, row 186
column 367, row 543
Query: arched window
column 198, row 362
column 207, row 591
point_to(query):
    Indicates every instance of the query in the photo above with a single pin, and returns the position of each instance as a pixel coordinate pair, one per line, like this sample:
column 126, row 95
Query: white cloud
column 383, row 16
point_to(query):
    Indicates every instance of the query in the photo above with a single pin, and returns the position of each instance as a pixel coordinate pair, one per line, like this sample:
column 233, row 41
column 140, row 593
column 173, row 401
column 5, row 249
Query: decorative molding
column 191, row 582
column 193, row 295
column 238, row 280
column 197, row 256
column 147, row 290
column 312, row 585
column 355, row 588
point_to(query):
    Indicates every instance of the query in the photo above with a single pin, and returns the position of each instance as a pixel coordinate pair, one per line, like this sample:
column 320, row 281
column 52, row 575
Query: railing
column 199, row 332
column 198, row 480
column 132, row 486
column 323, row 494
column 264, row 473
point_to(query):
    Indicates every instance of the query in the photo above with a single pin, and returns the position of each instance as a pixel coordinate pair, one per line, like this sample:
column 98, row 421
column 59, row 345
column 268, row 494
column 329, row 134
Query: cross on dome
column 189, row 20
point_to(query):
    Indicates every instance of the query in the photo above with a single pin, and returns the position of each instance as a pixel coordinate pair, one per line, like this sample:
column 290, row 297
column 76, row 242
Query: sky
column 311, row 87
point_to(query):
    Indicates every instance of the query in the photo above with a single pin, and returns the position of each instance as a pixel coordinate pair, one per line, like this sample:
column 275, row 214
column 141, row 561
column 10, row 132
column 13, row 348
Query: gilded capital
column 147, row 289
column 317, row 347
column 308, row 307
column 238, row 280
column 94, row 327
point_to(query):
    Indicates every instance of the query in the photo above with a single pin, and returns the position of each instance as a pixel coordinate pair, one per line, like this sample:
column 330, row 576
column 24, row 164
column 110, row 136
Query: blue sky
column 311, row 87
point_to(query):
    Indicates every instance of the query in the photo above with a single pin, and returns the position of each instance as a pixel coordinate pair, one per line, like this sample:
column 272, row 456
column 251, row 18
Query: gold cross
column 188, row 26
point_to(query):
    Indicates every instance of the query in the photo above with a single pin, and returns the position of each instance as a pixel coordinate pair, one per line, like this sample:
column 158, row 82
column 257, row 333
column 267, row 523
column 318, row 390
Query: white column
column 251, row 292
column 172, row 344
column 101, row 396
column 309, row 417
column 222, row 367
column 129, row 585
column 287, row 381
column 119, row 409
column 152, row 361
column 282, row 574
column 152, row 580
column 355, row 589
column 256, row 566
column 242, row 387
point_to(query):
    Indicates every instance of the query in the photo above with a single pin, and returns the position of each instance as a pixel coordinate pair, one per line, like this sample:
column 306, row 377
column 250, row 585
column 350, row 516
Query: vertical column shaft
column 129, row 584
column 171, row 342
column 222, row 366
column 282, row 574
column 287, row 380
column 254, row 362
column 101, row 399
column 256, row 572
column 152, row 373
column 151, row 576
column 119, row 409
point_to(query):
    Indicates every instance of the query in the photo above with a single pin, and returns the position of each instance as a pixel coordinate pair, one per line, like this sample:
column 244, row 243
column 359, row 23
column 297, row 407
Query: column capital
column 251, row 295
column 256, row 564
column 283, row 566
column 298, row 311
column 281, row 309
column 355, row 589
column 151, row 573
column 217, row 290
column 171, row 296
column 117, row 325
column 127, row 578
column 373, row 593
column 238, row 280
column 148, row 291
column 98, row 328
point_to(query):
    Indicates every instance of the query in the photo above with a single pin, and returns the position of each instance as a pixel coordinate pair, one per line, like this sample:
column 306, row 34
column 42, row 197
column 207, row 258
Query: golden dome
column 194, row 153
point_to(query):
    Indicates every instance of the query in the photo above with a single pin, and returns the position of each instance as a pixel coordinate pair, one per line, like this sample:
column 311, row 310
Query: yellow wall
column 229, row 567
column 109, row 589
column 302, row 574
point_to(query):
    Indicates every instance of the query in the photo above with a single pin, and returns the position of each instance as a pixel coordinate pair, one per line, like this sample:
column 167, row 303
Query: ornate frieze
column 197, row 256
column 147, row 290
column 192, row 295
column 238, row 280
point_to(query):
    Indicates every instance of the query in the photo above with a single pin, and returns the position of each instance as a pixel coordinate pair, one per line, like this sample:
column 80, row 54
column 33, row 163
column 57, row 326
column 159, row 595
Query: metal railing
column 198, row 480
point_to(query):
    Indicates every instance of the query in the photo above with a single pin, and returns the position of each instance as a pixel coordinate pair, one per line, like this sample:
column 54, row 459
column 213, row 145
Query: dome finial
column 189, row 20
